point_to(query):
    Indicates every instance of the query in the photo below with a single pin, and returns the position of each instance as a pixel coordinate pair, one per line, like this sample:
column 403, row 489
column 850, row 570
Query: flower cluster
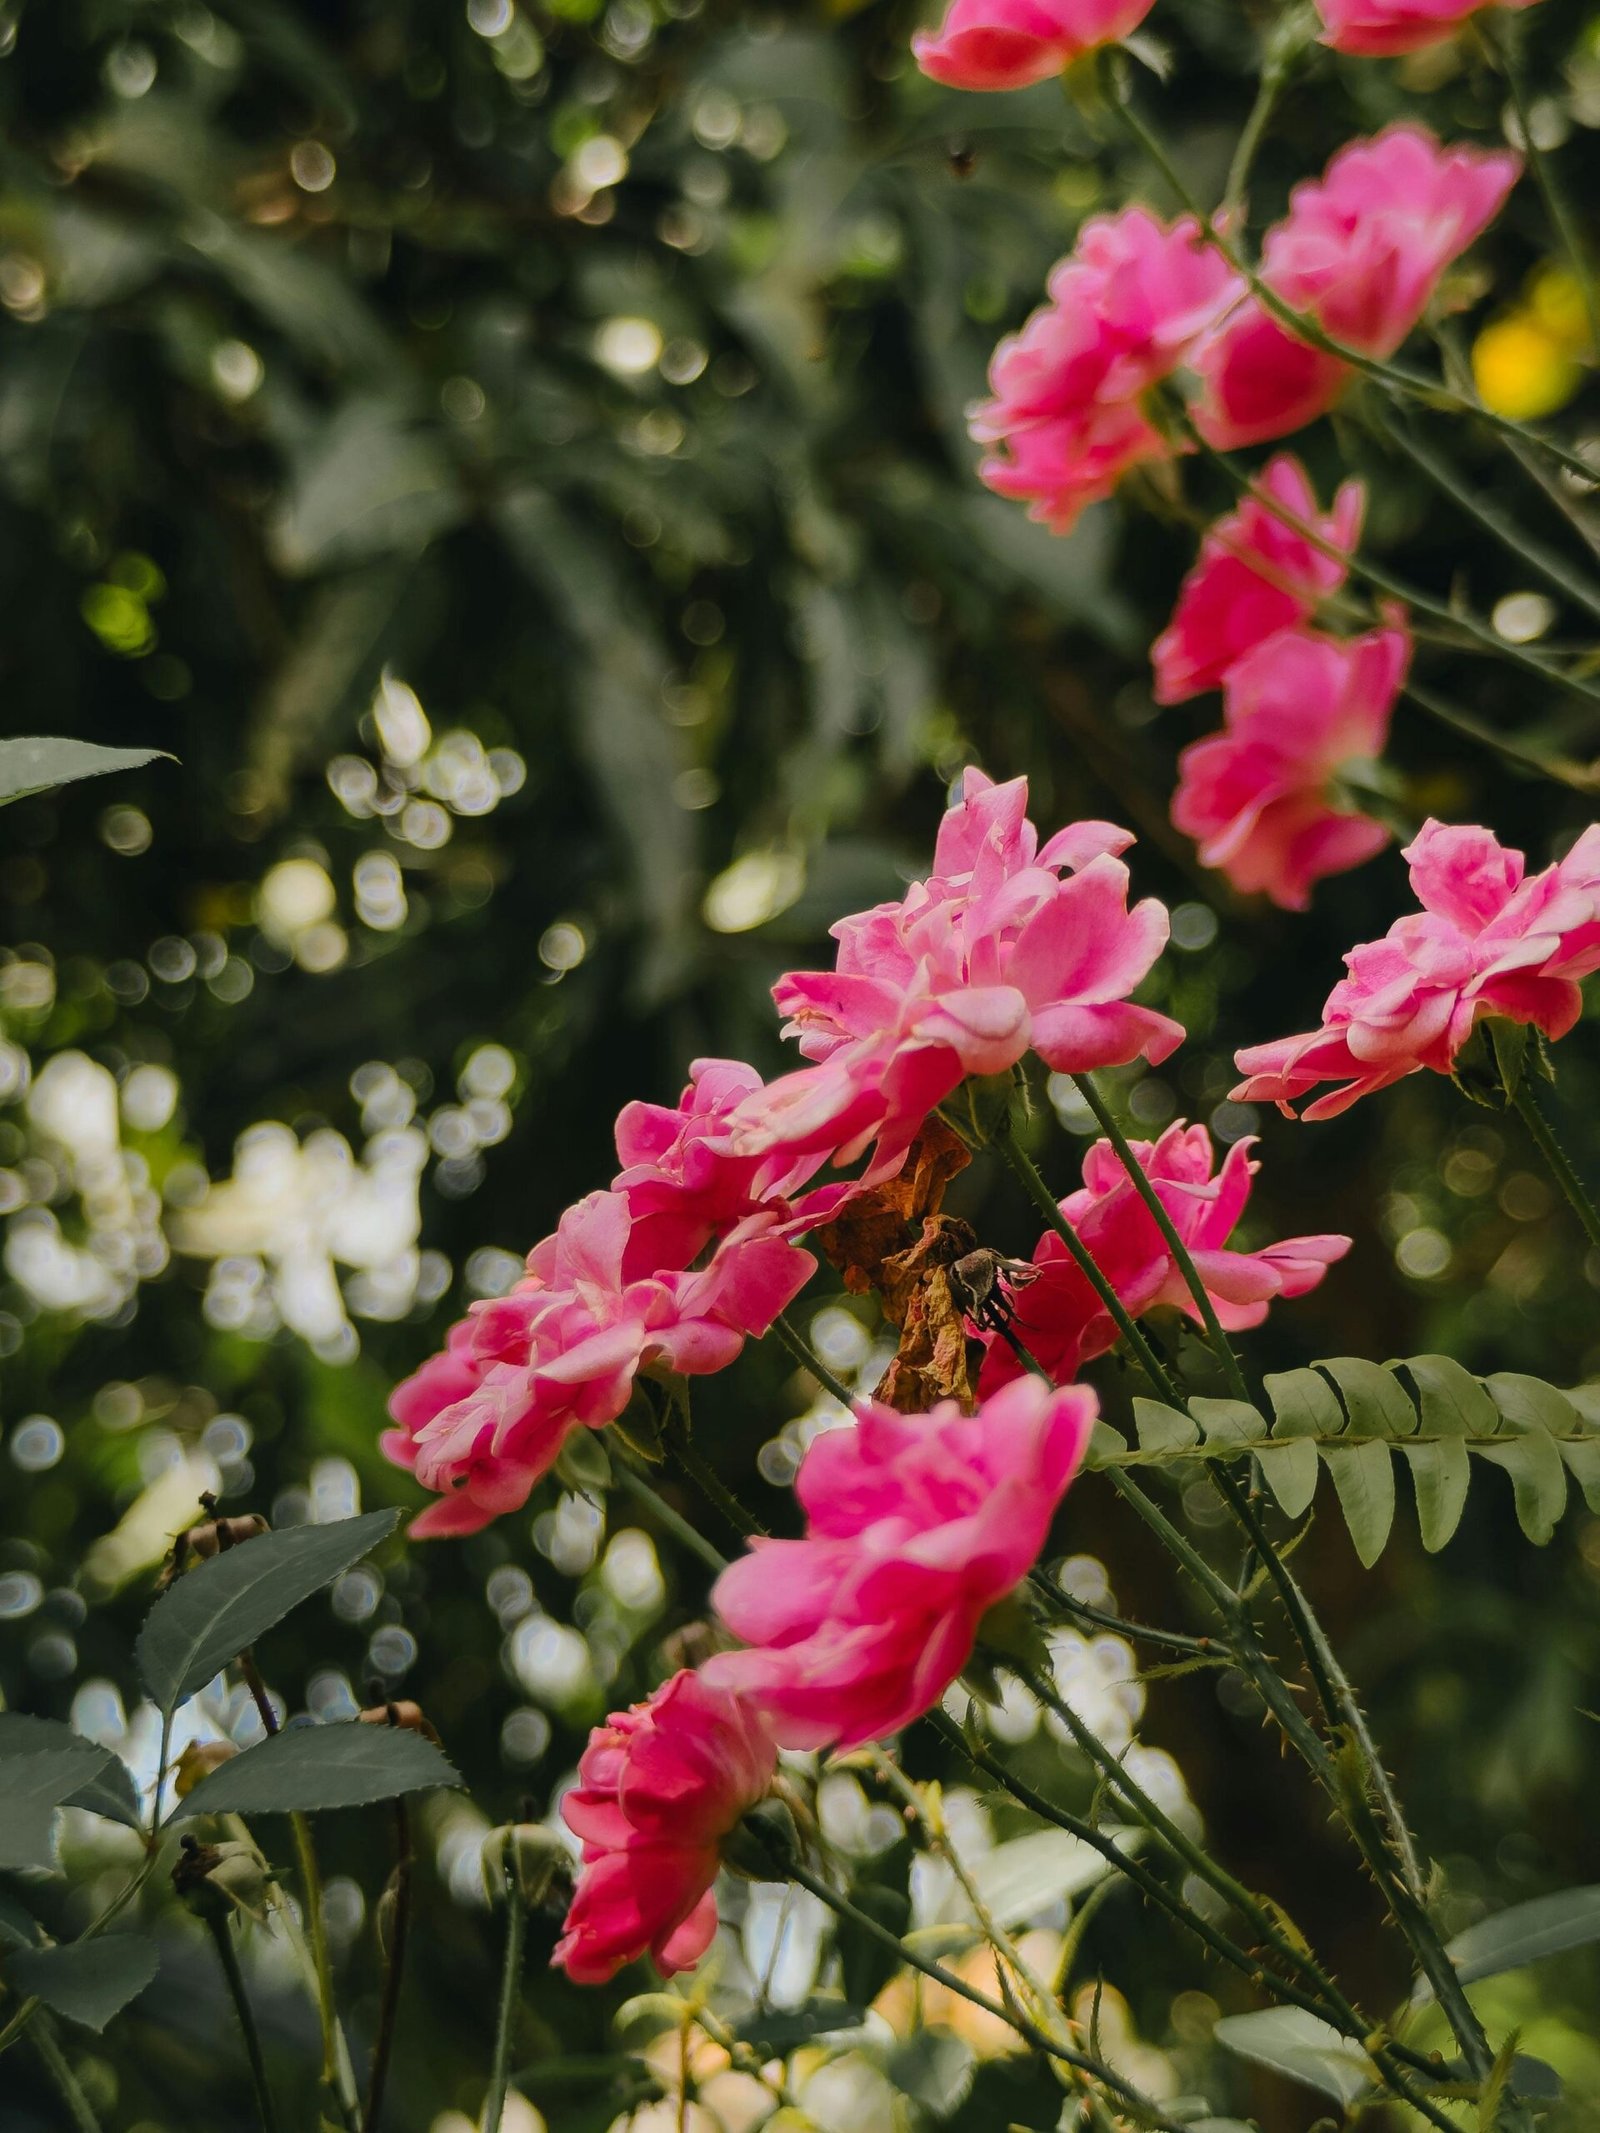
column 1490, row 940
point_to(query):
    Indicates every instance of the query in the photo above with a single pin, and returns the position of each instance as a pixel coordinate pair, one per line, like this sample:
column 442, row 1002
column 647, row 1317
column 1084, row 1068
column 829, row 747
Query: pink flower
column 1379, row 29
column 1261, row 797
column 659, row 1788
column 916, row 1525
column 1489, row 940
column 1006, row 44
column 1361, row 251
column 486, row 1420
column 1255, row 576
column 993, row 955
column 1061, row 1321
column 1125, row 309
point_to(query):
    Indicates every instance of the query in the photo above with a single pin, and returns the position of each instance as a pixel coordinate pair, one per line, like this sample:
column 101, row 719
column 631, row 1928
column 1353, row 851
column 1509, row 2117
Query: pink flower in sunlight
column 915, row 1526
column 659, row 1789
column 1006, row 44
column 1361, row 251
column 1255, row 576
column 1380, row 29
column 1125, row 309
column 1061, row 1321
column 1490, row 939
column 483, row 1422
column 995, row 954
column 1261, row 798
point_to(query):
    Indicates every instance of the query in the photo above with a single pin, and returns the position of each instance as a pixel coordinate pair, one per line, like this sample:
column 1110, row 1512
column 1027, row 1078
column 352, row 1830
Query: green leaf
column 88, row 1981
column 112, row 1793
column 1304, row 1404
column 1538, row 1480
column 18, row 1927
column 1228, row 1421
column 106, row 1786
column 42, row 1764
column 40, row 763
column 1363, row 1474
column 1548, row 1925
column 1373, row 1397
column 1290, row 1471
column 1296, row 2044
column 211, row 1614
column 776, row 2031
column 1441, row 1475
column 1526, row 1403
column 866, row 1965
column 934, row 2068
column 309, row 1767
column 1161, row 1428
column 1509, row 1043
column 1453, row 1402
column 1027, row 1874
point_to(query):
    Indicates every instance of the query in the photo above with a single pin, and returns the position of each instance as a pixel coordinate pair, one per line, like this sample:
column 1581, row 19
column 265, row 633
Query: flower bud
column 217, row 1879
column 198, row 1761
column 211, row 1537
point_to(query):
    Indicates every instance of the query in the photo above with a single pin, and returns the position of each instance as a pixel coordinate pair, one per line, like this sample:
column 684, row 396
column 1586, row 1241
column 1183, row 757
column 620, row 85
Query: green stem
column 1142, row 1184
column 337, row 2072
column 1561, row 770
column 394, row 1971
column 1503, row 47
column 1025, row 1171
column 494, row 2102
column 233, row 1976
column 677, row 1431
column 1573, row 1189
column 1031, row 2033
column 1273, row 77
column 1524, row 546
column 806, row 1356
column 665, row 1516
column 79, row 2106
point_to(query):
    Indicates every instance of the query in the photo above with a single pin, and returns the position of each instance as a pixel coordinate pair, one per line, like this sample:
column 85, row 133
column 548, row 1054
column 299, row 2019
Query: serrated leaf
column 1294, row 2043
column 1441, row 1475
column 33, row 1784
column 1304, row 1404
column 1228, row 1421
column 1453, row 1401
column 18, row 1927
column 1538, row 1480
column 211, row 1614
column 1526, row 1933
column 87, row 1981
column 306, row 1768
column 1374, row 1398
column 1290, row 1471
column 1363, row 1474
column 40, row 763
column 1161, row 1428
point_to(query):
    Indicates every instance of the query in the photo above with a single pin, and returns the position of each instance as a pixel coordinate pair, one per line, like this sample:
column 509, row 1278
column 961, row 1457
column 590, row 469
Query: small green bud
column 529, row 1859
column 764, row 1842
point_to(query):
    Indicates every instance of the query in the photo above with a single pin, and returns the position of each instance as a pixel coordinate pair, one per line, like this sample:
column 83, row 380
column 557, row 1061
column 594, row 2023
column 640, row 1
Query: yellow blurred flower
column 1531, row 361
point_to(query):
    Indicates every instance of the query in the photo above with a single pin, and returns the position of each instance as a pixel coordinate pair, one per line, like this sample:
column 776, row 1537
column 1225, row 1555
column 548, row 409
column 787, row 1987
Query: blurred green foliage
column 513, row 457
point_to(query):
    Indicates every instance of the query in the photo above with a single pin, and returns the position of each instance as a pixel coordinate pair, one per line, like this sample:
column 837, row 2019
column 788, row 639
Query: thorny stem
column 60, row 2072
column 1144, row 1186
column 389, row 2009
column 1027, row 1175
column 228, row 1956
column 1129, row 2096
column 1170, row 1640
column 1561, row 1168
column 671, row 1521
column 494, row 2102
column 676, row 1430
column 808, row 1359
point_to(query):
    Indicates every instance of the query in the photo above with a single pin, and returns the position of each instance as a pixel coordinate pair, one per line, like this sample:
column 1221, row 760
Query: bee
column 963, row 158
column 981, row 1284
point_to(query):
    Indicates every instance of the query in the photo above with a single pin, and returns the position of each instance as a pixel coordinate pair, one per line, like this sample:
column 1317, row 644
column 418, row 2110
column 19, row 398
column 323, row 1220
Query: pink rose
column 1061, row 1321
column 485, row 1421
column 1125, row 309
column 1261, row 798
column 995, row 954
column 1361, row 251
column 659, row 1788
column 1255, row 576
column 1006, row 44
column 1379, row 29
column 1489, row 940
column 916, row 1525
